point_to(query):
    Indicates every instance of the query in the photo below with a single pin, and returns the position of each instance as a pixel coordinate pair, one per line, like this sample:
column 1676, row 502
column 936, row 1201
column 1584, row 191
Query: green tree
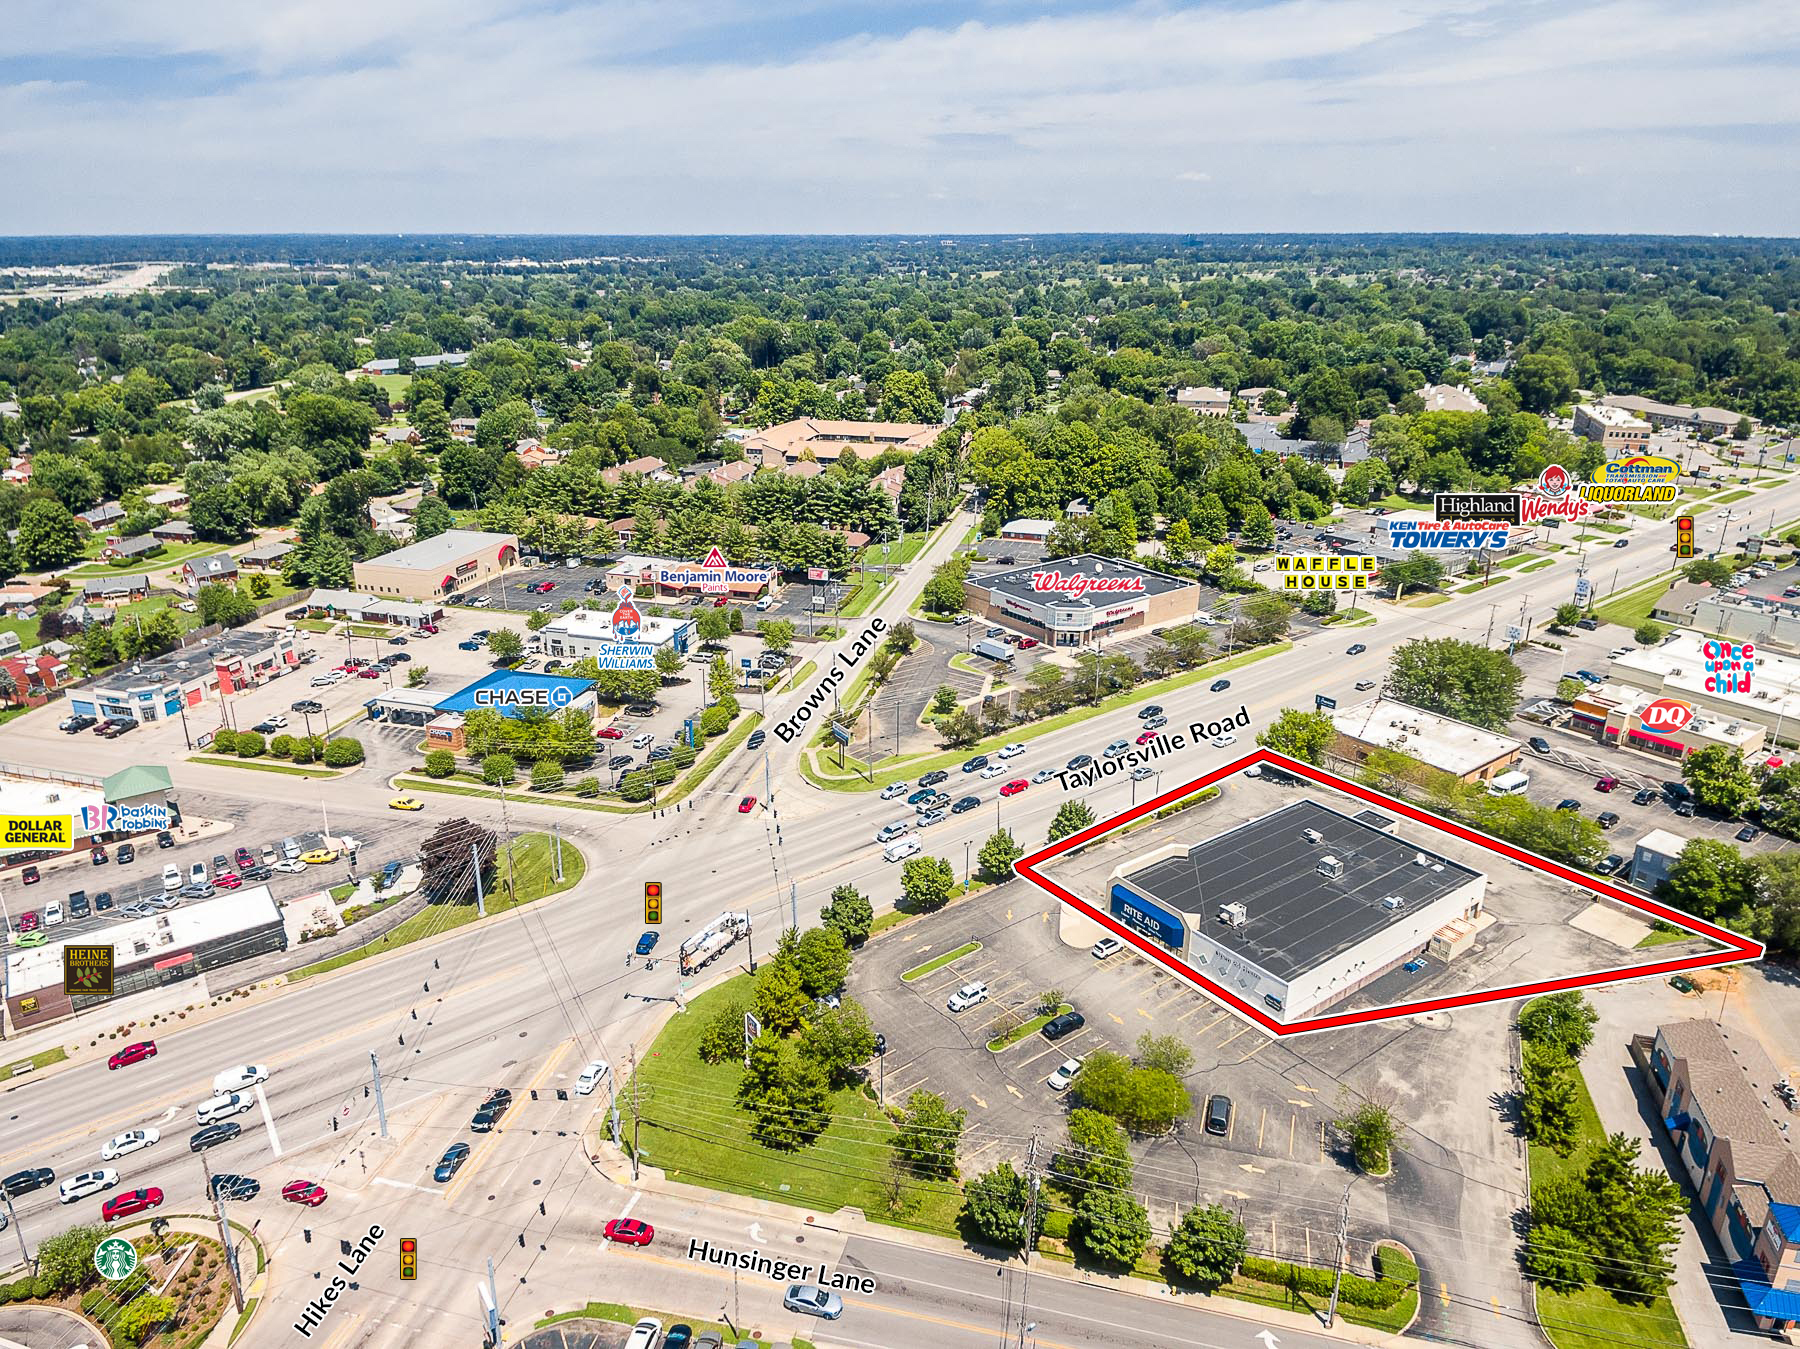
column 998, row 855
column 943, row 700
column 547, row 775
column 1550, row 1099
column 784, row 1093
column 781, row 1001
column 1562, row 1021
column 1207, row 1246
column 1301, row 735
column 1097, row 1155
column 943, row 595
column 777, row 634
column 927, row 883
column 995, row 1205
column 416, row 675
column 505, row 644
column 1558, row 1259
column 499, row 769
column 838, row 1039
column 1144, row 1100
column 1567, row 615
column 1544, row 380
column 1720, row 780
column 927, row 1135
column 1419, row 571
column 1648, row 633
column 432, row 518
column 722, row 1037
column 719, row 679
column 1164, row 1053
column 1113, row 1229
column 822, row 959
column 343, row 752
column 1456, row 679
column 1707, row 571
column 48, row 536
column 713, row 625
column 1371, row 1129
column 250, row 745
column 850, row 914
column 1569, row 688
column 906, row 396
column 1178, row 541
column 1259, row 526
column 1071, row 818
column 66, row 1260
column 1707, row 878
column 537, row 622
column 439, row 763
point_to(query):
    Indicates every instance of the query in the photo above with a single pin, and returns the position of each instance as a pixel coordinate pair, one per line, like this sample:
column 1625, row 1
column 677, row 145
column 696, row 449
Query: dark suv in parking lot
column 1059, row 1026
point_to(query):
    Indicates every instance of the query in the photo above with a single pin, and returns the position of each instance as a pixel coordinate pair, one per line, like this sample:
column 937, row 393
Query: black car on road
column 1151, row 711
column 1220, row 685
column 967, row 803
column 976, row 764
column 31, row 1178
column 212, row 1135
column 1539, row 745
column 932, row 779
column 1644, row 796
column 1078, row 762
column 226, row 1185
column 454, row 1156
column 923, row 794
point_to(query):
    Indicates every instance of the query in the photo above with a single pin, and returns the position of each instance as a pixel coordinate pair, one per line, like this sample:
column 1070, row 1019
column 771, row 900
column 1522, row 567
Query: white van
column 889, row 832
column 592, row 1076
column 902, row 848
column 764, row 604
column 171, row 877
column 1509, row 784
column 223, row 1107
column 197, row 874
column 290, row 849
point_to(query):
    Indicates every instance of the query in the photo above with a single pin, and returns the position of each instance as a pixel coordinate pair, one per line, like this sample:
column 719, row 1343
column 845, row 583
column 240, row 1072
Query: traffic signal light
column 653, row 901
column 1684, row 536
column 409, row 1257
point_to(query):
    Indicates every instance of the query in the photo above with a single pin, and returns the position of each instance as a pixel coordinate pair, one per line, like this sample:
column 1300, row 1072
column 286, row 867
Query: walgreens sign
column 1075, row 586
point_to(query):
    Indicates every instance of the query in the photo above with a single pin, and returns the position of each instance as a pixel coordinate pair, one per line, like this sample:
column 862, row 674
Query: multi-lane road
column 525, row 999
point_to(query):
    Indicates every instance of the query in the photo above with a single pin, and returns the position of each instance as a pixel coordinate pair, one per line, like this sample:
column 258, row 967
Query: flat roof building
column 164, row 948
column 1074, row 600
column 1678, row 669
column 1652, row 856
column 160, row 687
column 827, row 440
column 440, row 567
column 1297, row 909
column 1614, row 428
column 589, row 632
column 1708, row 421
column 1472, row 754
column 1614, row 715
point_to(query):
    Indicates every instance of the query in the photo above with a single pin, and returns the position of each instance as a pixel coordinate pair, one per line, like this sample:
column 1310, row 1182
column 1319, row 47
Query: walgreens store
column 1074, row 600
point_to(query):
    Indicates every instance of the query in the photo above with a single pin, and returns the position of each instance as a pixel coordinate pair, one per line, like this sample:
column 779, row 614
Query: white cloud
column 646, row 116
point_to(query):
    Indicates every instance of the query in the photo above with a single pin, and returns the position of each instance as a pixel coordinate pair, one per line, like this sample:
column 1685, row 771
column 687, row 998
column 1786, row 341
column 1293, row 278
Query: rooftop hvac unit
column 1391, row 902
column 1233, row 915
column 139, row 946
column 1311, row 835
column 1437, row 866
column 1420, row 859
column 165, row 939
column 1331, row 867
column 162, row 920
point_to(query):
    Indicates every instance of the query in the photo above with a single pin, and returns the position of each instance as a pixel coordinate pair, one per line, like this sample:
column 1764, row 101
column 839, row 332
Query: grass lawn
column 1631, row 608
column 695, row 1132
column 1538, row 565
column 314, row 624
column 395, row 386
column 42, row 1059
column 795, row 677
column 1488, row 584
column 894, row 770
column 1593, row 1318
column 1395, row 502
column 1426, row 601
column 527, row 862
column 264, row 767
column 938, row 962
column 1660, row 937
column 1730, row 497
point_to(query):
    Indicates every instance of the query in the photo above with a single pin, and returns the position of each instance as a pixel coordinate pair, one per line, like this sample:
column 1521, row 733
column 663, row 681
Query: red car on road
column 630, row 1232
column 1146, row 737
column 370, row 673
column 132, row 1201
column 1014, row 787
column 429, row 628
column 747, row 805
column 610, row 733
column 303, row 1192
column 137, row 1053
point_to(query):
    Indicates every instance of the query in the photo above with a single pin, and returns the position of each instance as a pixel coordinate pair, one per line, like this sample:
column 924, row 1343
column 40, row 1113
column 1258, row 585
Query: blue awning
column 1765, row 1300
column 1676, row 1123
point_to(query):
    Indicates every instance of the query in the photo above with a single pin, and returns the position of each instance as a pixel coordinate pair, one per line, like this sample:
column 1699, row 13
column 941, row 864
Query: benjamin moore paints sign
column 715, row 576
column 1138, row 913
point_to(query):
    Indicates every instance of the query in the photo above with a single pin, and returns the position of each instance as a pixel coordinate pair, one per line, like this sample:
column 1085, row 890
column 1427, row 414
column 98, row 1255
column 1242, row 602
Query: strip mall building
column 1075, row 600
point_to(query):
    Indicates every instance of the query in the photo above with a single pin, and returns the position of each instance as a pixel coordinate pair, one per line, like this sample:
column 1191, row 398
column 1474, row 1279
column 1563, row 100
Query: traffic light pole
column 380, row 1103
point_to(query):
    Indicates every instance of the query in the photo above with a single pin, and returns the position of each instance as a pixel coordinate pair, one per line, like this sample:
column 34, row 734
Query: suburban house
column 168, row 499
column 35, row 677
column 111, row 590
column 17, row 595
column 18, row 470
column 463, row 428
column 891, row 480
column 106, row 513
column 623, row 528
column 390, row 365
column 1450, row 398
column 394, row 523
column 398, row 435
column 826, row 440
column 216, row 568
column 1713, row 1088
column 1204, row 399
column 173, row 531
column 140, row 546
column 535, row 454
column 649, row 466
column 266, row 558
column 85, row 615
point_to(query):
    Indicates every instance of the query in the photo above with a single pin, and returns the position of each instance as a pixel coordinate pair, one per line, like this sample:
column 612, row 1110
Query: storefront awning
column 1666, row 743
column 184, row 958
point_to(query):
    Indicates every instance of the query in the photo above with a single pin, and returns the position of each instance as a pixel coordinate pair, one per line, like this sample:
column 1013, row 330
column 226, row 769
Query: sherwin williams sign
column 1138, row 913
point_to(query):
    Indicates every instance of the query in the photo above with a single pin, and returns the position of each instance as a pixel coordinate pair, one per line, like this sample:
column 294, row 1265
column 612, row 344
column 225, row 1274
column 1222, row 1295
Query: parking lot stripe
column 1444, row 1293
column 1254, row 1052
column 1496, row 1302
column 1321, row 1142
column 1261, row 1124
column 1293, row 1126
column 1242, row 1031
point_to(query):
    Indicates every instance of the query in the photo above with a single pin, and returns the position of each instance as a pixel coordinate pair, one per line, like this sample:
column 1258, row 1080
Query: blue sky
column 696, row 116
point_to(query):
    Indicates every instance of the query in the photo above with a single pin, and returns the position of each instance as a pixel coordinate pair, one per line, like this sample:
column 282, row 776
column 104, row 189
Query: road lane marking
column 490, row 1144
column 1116, row 1017
column 631, row 1203
column 262, row 1099
column 978, row 1101
column 405, row 1185
column 1141, row 1012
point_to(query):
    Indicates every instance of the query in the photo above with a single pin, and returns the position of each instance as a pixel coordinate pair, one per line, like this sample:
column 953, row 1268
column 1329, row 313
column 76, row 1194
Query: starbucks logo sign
column 116, row 1258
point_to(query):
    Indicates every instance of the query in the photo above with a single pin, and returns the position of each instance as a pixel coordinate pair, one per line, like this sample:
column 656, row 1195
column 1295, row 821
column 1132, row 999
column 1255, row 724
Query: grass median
column 526, row 864
column 263, row 767
column 1025, row 1028
column 938, row 962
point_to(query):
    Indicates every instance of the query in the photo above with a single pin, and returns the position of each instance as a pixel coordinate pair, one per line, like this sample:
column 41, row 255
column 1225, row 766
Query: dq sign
column 1667, row 714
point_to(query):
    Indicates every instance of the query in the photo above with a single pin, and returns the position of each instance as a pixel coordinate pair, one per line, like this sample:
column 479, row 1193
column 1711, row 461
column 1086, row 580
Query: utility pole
column 794, row 905
column 1492, row 610
column 635, row 1118
column 380, row 1103
column 231, row 1259
column 1337, row 1274
column 18, row 1232
column 1031, row 1178
column 556, row 848
column 475, row 862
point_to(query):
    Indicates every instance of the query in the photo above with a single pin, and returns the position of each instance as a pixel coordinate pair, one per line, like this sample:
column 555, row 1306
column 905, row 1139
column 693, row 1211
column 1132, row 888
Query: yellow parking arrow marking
column 1116, row 1017
column 978, row 1101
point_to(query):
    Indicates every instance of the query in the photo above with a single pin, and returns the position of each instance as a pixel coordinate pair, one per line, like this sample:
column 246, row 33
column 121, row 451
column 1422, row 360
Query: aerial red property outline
column 1735, row 947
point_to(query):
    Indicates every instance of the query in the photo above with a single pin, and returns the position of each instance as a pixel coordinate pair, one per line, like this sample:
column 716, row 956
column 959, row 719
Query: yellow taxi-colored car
column 406, row 803
column 318, row 856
